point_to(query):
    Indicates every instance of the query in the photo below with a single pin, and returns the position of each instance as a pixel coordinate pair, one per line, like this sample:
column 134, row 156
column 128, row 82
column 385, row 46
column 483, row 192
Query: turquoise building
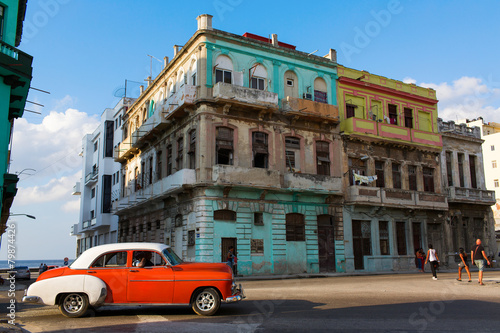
column 236, row 143
column 15, row 78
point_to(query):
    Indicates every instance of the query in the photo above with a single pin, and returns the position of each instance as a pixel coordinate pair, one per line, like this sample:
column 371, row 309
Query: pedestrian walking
column 477, row 255
column 231, row 258
column 464, row 263
column 433, row 259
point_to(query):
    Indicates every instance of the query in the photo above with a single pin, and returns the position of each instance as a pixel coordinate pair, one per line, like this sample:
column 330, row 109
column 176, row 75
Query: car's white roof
column 87, row 257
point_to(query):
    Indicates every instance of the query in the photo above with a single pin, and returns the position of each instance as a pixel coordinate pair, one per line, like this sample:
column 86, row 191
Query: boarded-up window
column 472, row 168
column 428, row 174
column 449, row 168
column 412, row 177
column 379, row 171
column 257, row 246
column 224, row 146
column 383, row 227
column 169, row 160
column 396, row 175
column 224, row 215
column 180, row 153
column 401, row 237
column 323, row 158
column 295, row 227
column 408, row 117
column 192, row 149
column 178, row 220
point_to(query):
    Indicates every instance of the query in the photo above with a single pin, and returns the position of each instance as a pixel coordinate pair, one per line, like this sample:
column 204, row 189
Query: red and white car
column 134, row 273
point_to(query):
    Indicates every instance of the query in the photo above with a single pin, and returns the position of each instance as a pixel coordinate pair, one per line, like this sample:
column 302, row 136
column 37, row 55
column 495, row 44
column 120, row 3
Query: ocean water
column 4, row 264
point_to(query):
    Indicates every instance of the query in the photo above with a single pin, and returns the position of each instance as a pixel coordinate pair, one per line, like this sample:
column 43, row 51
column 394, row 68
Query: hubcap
column 73, row 303
column 206, row 301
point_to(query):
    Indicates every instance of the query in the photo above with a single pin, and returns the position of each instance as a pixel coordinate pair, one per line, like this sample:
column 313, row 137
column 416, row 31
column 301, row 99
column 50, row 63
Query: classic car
column 22, row 272
column 134, row 273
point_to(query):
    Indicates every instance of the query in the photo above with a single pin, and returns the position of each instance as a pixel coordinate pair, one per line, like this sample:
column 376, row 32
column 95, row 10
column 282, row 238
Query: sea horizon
column 4, row 264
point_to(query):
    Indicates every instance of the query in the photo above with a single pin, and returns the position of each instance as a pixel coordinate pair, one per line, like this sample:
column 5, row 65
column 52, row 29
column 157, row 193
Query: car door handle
column 134, row 270
column 91, row 272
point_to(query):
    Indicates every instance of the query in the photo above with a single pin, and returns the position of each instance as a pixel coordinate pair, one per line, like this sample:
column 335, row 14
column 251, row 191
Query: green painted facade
column 15, row 78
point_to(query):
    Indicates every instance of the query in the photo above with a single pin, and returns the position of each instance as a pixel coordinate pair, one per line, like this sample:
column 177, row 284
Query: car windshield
column 172, row 257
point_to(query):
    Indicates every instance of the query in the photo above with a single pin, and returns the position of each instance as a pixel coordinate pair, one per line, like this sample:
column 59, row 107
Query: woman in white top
column 432, row 257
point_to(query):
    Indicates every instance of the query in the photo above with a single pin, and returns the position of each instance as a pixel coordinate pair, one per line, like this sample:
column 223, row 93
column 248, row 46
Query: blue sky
column 85, row 50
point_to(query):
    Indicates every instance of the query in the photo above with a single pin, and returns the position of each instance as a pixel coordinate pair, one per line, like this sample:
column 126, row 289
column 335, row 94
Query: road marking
column 151, row 318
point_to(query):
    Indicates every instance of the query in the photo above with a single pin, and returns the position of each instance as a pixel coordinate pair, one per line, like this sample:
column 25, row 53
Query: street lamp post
column 29, row 216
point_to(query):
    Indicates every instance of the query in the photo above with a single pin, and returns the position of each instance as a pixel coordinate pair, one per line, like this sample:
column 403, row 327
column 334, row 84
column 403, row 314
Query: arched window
column 295, row 227
column 291, row 84
column 320, row 91
column 223, row 69
column 258, row 77
column 181, row 78
column 194, row 69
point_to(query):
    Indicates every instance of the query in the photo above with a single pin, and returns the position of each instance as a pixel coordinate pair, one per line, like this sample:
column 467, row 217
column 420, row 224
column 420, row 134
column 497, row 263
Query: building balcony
column 136, row 194
column 74, row 230
column 16, row 70
column 312, row 182
column 231, row 93
column 392, row 197
column 235, row 176
column 91, row 177
column 76, row 189
column 310, row 109
column 471, row 196
column 380, row 130
column 171, row 107
column 124, row 150
column 99, row 222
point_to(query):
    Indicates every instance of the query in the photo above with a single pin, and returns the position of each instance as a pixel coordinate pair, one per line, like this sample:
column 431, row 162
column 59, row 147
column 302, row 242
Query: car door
column 153, row 283
column 111, row 268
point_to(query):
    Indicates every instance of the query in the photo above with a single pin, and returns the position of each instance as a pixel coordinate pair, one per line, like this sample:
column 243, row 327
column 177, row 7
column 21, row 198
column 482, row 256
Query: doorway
column 226, row 243
column 361, row 242
column 326, row 243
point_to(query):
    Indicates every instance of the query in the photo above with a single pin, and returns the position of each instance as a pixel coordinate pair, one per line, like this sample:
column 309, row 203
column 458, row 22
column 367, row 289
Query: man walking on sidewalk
column 477, row 255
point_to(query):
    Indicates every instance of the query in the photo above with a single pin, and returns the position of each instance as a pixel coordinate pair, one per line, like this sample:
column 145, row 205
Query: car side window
column 112, row 259
column 147, row 259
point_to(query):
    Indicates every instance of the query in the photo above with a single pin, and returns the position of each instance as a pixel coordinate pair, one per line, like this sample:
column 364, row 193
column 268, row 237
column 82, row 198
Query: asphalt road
column 380, row 303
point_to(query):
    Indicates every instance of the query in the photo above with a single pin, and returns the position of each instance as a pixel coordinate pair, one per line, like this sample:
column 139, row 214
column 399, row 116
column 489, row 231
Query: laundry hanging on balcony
column 364, row 179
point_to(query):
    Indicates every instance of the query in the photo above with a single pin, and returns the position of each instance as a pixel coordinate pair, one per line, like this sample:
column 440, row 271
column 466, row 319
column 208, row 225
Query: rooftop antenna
column 151, row 65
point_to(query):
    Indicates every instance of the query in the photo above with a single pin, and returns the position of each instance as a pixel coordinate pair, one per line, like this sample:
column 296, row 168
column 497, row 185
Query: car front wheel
column 206, row 302
column 74, row 305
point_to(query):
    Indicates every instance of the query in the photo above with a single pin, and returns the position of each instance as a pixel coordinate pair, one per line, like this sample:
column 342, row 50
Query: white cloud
column 409, row 80
column 71, row 206
column 55, row 189
column 466, row 97
column 52, row 146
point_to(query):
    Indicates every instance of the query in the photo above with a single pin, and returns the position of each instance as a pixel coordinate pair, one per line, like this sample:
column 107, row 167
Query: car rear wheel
column 206, row 302
column 74, row 305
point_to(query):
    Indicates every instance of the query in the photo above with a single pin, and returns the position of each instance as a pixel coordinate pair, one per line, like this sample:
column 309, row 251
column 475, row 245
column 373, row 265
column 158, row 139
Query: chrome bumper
column 237, row 296
column 31, row 299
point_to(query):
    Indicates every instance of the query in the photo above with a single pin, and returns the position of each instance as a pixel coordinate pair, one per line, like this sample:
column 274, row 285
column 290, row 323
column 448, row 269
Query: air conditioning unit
column 308, row 96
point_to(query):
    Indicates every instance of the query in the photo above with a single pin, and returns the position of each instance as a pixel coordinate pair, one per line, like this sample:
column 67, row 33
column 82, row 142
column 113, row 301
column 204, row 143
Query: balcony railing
column 389, row 132
column 18, row 61
column 249, row 96
column 396, row 197
column 91, row 177
column 471, row 195
column 308, row 108
column 124, row 150
column 76, row 189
